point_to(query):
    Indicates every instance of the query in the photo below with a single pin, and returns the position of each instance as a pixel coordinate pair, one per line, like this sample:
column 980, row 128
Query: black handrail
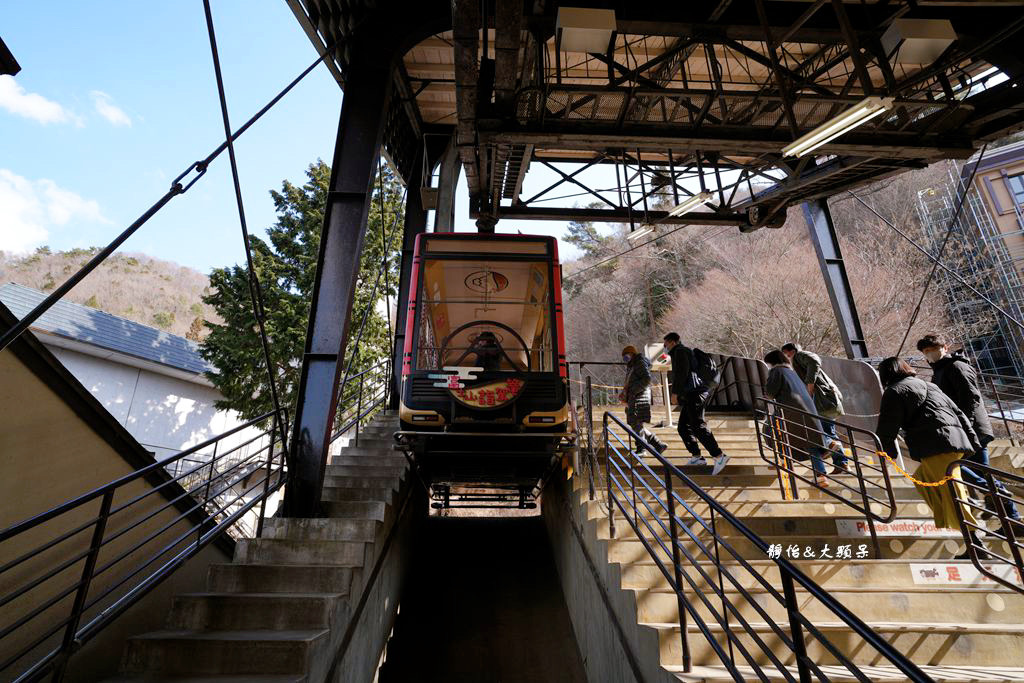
column 700, row 542
column 131, row 549
column 870, row 473
column 370, row 393
column 1010, row 530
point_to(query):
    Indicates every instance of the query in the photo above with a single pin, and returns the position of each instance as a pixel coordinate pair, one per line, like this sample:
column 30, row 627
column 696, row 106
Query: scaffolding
column 978, row 252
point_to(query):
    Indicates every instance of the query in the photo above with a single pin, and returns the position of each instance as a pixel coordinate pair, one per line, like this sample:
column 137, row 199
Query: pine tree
column 286, row 267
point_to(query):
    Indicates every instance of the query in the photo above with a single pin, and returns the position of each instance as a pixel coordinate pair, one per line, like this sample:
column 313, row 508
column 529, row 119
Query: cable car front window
column 485, row 313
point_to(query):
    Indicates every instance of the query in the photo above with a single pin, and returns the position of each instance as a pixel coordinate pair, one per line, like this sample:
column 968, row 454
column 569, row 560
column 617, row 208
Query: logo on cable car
column 454, row 374
column 486, row 282
column 491, row 395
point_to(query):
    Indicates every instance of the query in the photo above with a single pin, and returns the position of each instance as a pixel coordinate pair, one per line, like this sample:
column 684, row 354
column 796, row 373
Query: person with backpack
column 957, row 378
column 693, row 377
column 800, row 427
column 828, row 400
column 937, row 434
column 636, row 392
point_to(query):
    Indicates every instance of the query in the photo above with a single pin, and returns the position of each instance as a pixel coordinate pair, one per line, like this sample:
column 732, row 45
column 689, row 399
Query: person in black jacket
column 955, row 375
column 936, row 432
column 691, row 394
column 636, row 392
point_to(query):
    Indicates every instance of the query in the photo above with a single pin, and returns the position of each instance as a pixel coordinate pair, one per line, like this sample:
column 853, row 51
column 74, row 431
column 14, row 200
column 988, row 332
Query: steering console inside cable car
column 485, row 399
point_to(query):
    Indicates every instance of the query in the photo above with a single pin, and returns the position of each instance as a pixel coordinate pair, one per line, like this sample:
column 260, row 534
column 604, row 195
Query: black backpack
column 705, row 368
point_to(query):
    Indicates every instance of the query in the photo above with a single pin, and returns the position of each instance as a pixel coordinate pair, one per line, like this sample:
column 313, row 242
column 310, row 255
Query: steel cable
column 255, row 291
column 178, row 187
column 942, row 248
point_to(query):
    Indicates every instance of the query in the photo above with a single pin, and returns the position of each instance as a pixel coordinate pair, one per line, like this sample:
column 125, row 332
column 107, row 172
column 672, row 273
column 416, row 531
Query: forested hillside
column 138, row 287
column 748, row 293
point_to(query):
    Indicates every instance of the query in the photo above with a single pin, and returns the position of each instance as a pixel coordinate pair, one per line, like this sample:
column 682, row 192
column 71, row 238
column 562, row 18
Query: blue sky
column 116, row 98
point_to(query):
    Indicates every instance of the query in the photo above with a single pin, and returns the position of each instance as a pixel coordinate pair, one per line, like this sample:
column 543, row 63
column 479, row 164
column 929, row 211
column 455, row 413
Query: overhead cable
column 178, row 186
column 942, row 248
column 255, row 290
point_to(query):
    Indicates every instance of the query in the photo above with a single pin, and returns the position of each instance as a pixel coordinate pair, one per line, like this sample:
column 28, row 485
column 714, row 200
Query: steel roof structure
column 678, row 99
column 684, row 90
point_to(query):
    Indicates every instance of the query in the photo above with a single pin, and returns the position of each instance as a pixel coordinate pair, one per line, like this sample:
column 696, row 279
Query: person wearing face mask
column 957, row 378
column 636, row 392
column 691, row 394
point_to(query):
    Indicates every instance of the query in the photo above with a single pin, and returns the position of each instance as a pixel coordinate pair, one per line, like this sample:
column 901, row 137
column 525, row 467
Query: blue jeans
column 828, row 428
column 972, row 477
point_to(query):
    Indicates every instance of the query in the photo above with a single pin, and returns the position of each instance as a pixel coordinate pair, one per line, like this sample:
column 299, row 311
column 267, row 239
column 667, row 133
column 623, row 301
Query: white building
column 152, row 382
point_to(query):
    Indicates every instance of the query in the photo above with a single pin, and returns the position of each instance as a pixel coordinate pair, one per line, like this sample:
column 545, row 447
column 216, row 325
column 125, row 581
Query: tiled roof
column 89, row 326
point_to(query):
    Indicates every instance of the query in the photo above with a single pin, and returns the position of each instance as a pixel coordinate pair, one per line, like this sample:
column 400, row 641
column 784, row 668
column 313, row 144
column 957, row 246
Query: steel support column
column 356, row 151
column 447, row 180
column 833, row 269
column 415, row 224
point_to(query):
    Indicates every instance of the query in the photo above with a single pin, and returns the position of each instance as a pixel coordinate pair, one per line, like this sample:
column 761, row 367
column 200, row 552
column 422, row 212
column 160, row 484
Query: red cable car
column 485, row 396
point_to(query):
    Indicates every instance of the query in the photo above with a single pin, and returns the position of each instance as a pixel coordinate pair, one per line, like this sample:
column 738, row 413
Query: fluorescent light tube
column 866, row 110
column 637, row 234
column 691, row 203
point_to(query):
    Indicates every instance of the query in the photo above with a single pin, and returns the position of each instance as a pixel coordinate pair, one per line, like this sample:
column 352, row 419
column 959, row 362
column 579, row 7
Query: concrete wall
column 613, row 646
column 54, row 446
column 165, row 414
column 362, row 653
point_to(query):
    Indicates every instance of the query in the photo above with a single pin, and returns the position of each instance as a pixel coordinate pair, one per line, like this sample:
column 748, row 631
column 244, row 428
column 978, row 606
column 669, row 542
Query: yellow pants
column 933, row 468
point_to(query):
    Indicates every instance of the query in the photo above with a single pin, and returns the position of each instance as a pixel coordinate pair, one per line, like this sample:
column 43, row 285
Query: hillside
column 138, row 287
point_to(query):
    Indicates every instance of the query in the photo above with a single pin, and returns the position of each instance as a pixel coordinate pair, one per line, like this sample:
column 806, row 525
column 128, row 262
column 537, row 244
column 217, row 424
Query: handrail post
column 854, row 452
column 359, row 408
column 1004, row 520
column 796, row 630
column 677, row 570
column 1002, row 413
column 266, row 479
column 591, row 460
column 610, row 500
column 666, row 394
column 82, row 593
column 206, row 492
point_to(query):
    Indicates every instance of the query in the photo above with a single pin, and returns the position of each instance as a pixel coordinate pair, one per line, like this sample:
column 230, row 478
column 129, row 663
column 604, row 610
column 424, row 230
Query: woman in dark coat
column 937, row 433
column 802, row 427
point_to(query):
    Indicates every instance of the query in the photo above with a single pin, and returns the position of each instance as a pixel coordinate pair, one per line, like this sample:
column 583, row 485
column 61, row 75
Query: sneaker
column 822, row 481
column 839, row 470
column 720, row 463
column 662, row 447
column 836, row 446
column 697, row 460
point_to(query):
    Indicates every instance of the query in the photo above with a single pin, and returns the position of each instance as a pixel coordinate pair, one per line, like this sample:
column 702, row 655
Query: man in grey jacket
column 954, row 374
column 828, row 400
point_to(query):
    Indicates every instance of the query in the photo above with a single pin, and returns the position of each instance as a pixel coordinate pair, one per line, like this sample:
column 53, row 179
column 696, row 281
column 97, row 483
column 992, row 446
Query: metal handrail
column 870, row 470
column 1010, row 530
column 695, row 542
column 132, row 548
column 371, row 391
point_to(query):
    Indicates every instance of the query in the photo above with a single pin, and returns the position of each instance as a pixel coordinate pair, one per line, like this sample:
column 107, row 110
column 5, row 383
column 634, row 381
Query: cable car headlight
column 542, row 419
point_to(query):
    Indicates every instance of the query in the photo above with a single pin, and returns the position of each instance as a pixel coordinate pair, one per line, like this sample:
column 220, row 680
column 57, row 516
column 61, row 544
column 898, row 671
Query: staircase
column 279, row 611
column 937, row 611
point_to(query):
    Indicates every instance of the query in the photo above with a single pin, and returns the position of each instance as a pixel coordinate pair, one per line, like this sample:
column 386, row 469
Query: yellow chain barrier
column 911, row 477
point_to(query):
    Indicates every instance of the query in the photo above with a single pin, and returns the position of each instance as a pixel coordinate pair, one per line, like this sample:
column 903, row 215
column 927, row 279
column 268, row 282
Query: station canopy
column 664, row 100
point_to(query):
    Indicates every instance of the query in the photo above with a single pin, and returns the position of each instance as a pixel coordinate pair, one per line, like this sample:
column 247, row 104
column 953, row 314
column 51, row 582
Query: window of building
column 1016, row 185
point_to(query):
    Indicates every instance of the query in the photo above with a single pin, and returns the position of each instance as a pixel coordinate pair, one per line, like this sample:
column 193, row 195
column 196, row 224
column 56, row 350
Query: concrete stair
column 939, row 612
column 278, row 611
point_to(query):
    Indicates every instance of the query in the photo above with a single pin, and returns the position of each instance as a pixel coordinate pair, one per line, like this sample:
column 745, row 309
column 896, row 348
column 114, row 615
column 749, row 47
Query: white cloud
column 30, row 208
column 16, row 100
column 106, row 108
